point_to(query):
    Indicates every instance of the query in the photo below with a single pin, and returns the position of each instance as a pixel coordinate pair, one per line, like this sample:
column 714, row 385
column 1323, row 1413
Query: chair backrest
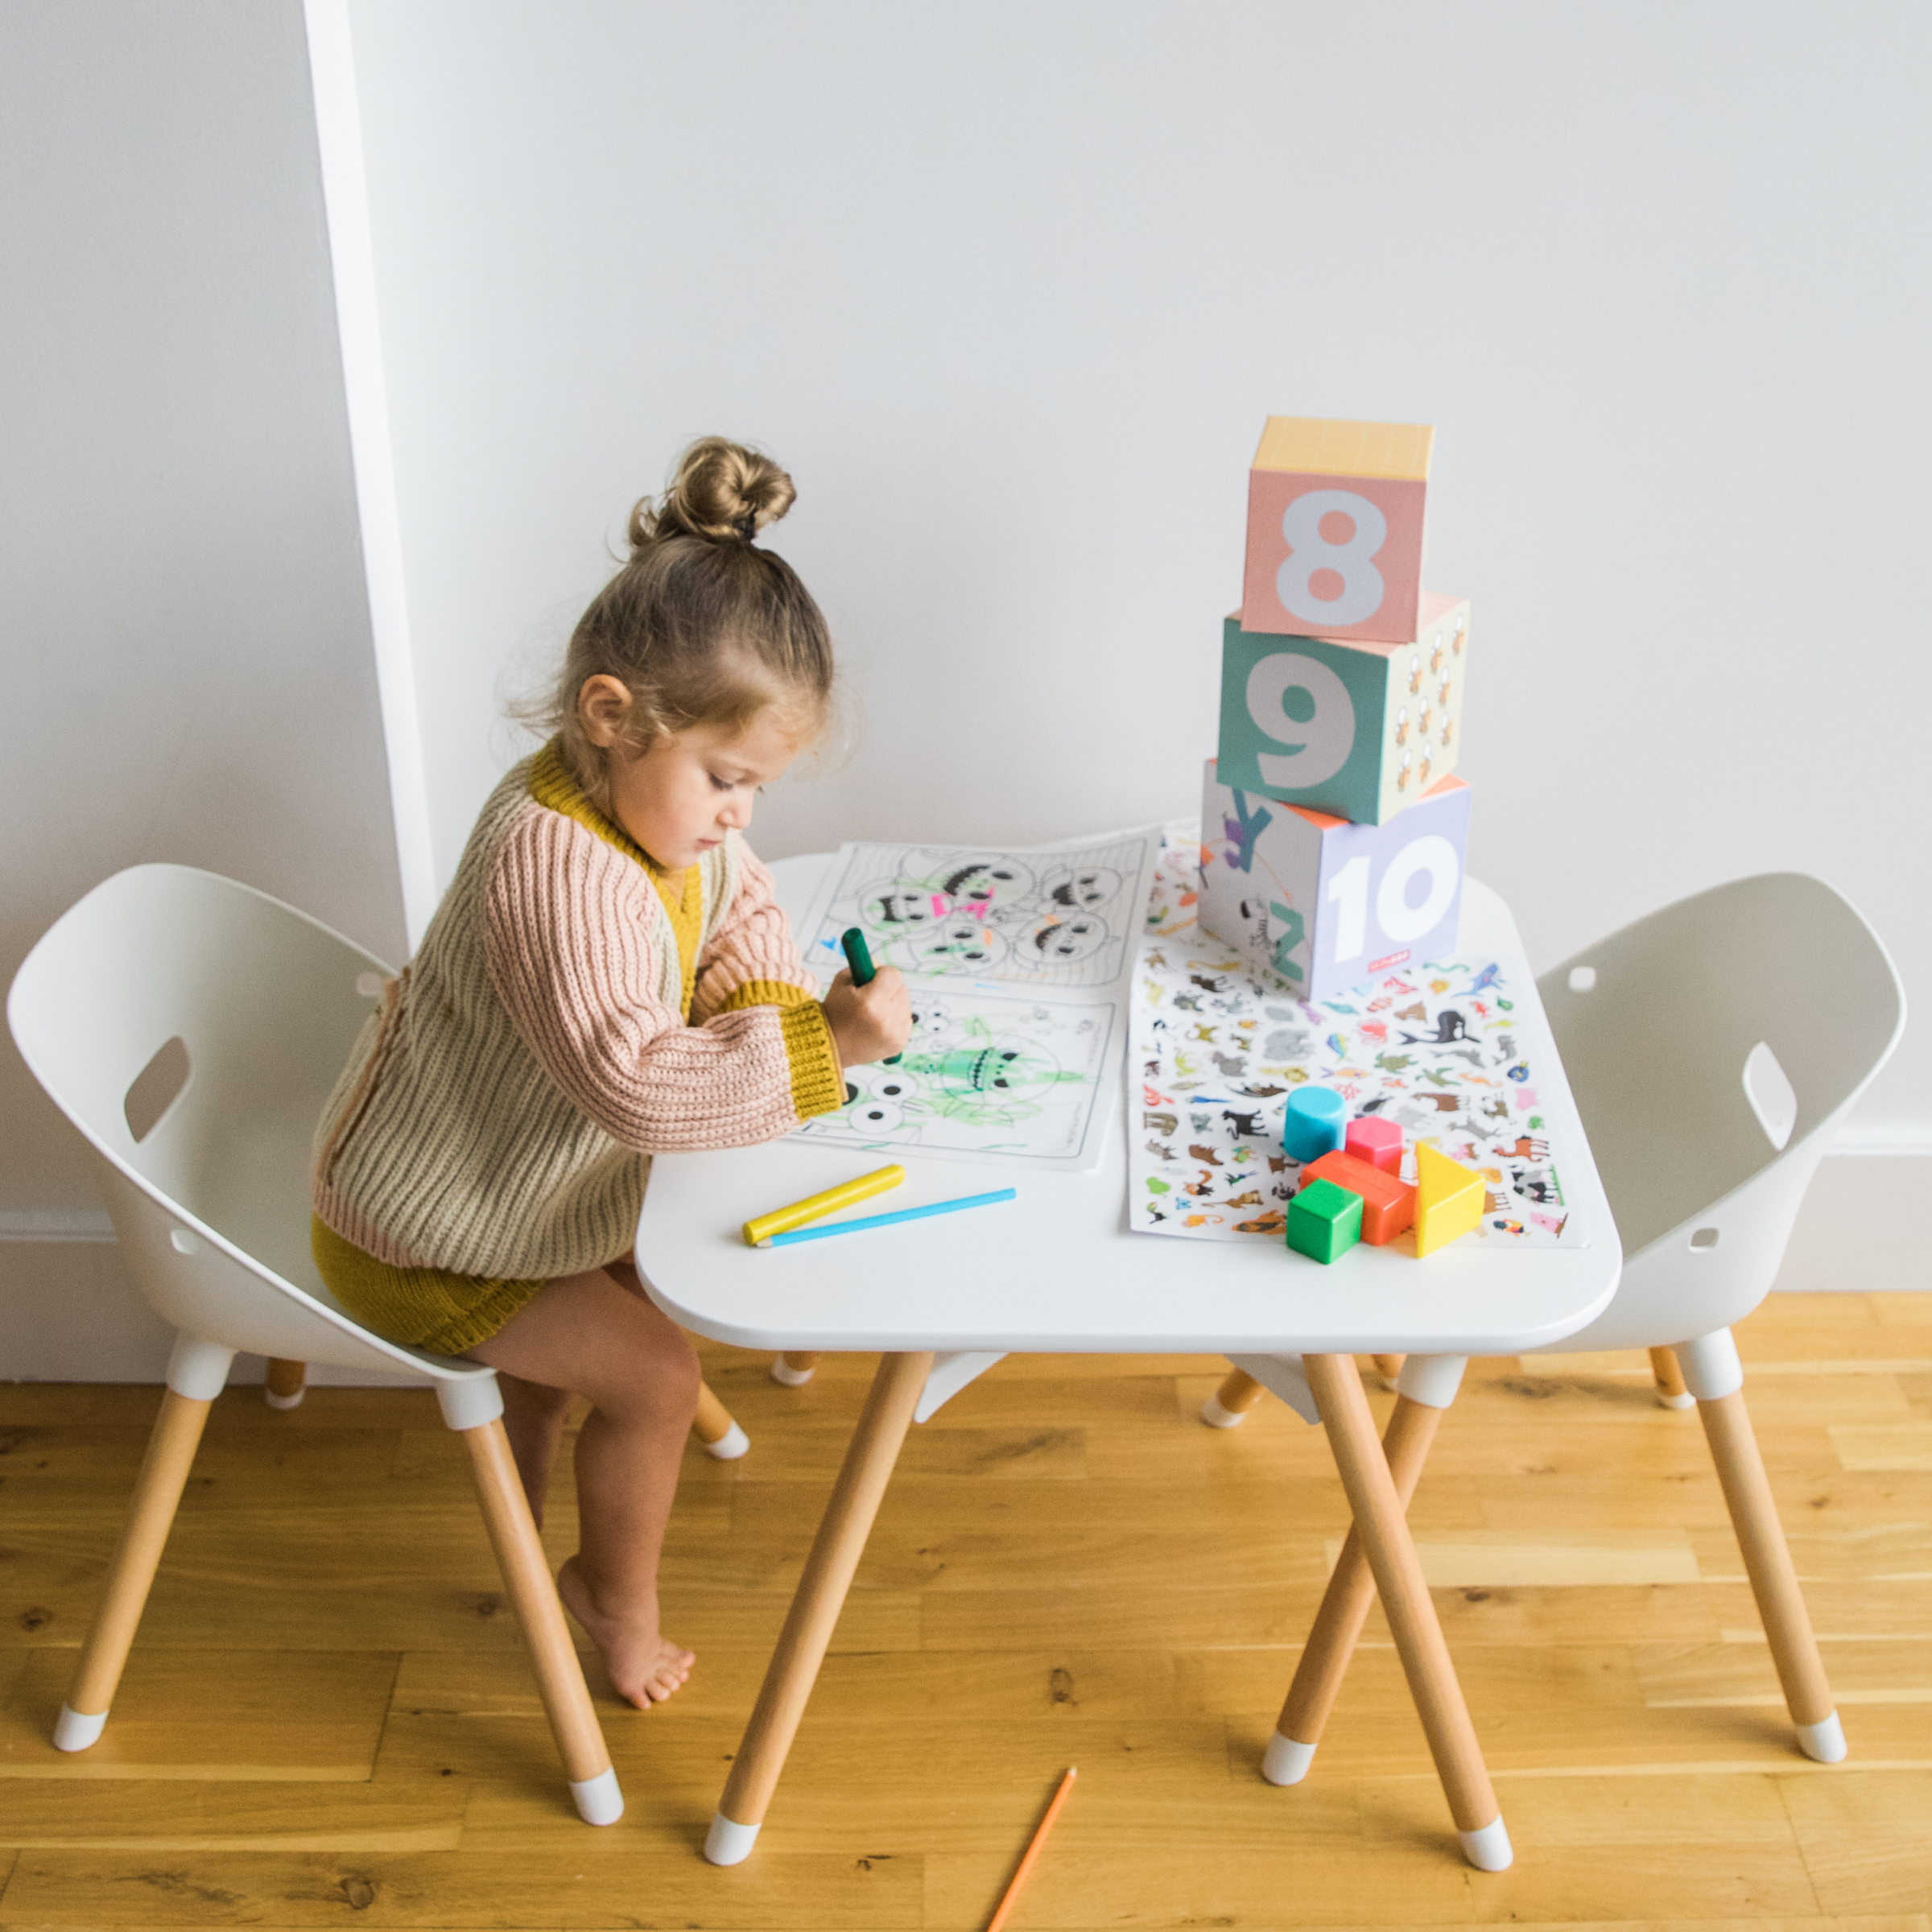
column 192, row 1028
column 1713, row 1048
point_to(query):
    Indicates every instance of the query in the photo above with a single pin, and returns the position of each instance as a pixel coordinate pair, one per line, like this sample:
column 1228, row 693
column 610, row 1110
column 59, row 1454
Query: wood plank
column 589, row 1878
column 1503, row 1559
column 1896, row 1445
column 133, row 1815
column 1863, row 1838
column 212, row 1715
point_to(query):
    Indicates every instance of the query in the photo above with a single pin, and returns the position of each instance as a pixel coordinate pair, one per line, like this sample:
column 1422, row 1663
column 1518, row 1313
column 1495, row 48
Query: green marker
column 858, row 956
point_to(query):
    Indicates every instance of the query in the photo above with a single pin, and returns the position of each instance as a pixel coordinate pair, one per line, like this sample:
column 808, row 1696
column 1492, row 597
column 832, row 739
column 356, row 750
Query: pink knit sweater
column 498, row 1114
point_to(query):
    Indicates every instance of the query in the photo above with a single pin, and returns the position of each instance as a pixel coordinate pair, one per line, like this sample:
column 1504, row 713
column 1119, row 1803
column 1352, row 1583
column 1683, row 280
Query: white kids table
column 1058, row 1271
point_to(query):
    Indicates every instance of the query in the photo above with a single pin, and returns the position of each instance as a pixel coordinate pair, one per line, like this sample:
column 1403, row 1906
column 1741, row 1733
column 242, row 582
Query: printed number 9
column 1361, row 582
column 1319, row 744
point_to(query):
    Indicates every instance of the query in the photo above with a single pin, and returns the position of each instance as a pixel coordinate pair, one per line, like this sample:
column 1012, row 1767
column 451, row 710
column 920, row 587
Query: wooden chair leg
column 795, row 1370
column 286, row 1384
column 1671, row 1393
column 1398, row 1572
column 170, row 1453
column 835, row 1556
column 1781, row 1604
column 1230, row 1403
column 1389, row 1367
column 1338, row 1623
column 533, row 1592
column 714, row 1428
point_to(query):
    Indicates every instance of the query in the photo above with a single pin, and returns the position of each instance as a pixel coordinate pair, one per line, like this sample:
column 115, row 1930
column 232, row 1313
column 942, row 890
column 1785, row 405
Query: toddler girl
column 608, row 976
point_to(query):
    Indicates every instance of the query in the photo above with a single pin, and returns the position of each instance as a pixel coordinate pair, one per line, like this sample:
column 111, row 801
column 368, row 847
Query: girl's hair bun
column 722, row 491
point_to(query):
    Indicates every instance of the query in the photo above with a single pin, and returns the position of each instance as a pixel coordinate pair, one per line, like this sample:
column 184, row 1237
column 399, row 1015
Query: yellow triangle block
column 1448, row 1200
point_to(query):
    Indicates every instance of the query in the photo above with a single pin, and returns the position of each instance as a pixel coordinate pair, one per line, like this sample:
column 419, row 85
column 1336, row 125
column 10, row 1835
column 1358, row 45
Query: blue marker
column 885, row 1221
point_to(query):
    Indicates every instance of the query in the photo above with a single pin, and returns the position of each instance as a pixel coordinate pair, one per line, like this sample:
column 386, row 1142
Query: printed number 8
column 1361, row 582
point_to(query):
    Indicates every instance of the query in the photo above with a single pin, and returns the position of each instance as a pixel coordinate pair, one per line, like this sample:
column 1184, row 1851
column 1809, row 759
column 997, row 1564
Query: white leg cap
column 1488, row 1850
column 1215, row 1416
column 727, row 1843
column 1286, row 1762
column 730, row 1446
column 74, row 1732
column 1825, row 1741
column 1685, row 1400
column 282, row 1402
column 599, row 1801
column 781, row 1371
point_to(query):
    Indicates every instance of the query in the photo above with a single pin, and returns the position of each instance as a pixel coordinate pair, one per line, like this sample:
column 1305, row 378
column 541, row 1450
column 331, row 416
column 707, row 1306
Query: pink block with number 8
column 1334, row 530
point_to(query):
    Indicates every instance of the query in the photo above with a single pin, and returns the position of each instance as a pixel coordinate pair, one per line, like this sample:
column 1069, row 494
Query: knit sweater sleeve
column 751, row 959
column 567, row 936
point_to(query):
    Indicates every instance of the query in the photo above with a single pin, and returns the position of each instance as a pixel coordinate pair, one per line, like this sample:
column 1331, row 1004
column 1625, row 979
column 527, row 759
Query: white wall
column 1010, row 288
column 183, row 624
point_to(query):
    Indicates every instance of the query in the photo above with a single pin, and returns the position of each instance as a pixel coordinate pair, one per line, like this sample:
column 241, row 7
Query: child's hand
column 869, row 1022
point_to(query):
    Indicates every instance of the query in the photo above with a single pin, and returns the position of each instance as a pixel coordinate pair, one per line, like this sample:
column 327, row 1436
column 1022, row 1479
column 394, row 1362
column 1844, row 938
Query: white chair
column 192, row 1028
column 1713, row 1048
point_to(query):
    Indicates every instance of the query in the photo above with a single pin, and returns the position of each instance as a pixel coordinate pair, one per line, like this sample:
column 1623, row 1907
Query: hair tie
column 747, row 525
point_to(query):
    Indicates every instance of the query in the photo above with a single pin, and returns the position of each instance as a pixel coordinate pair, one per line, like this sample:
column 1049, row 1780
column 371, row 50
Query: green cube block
column 1324, row 1220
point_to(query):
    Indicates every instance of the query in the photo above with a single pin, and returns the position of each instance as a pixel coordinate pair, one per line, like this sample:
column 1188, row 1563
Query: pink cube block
column 1377, row 1141
column 1334, row 530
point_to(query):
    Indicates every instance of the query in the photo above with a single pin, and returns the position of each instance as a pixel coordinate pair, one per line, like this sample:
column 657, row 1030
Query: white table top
column 1057, row 1270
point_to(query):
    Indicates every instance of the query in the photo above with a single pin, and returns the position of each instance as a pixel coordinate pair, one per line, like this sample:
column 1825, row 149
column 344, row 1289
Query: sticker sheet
column 1056, row 917
column 1019, row 963
column 1215, row 1053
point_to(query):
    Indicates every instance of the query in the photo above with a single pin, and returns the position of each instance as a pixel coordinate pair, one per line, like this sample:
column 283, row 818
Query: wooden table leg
column 1398, row 1572
column 1389, row 1367
column 793, row 1368
column 533, row 1593
column 283, row 1386
column 1338, row 1623
column 1238, row 1393
column 1671, row 1393
column 715, row 1428
column 835, row 1556
column 170, row 1454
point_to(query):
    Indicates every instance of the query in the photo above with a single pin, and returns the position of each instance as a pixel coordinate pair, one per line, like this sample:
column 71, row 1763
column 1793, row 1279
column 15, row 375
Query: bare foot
column 645, row 1668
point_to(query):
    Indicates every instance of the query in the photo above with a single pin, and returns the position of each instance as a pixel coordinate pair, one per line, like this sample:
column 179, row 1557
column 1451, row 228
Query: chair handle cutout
column 156, row 1088
column 1772, row 1098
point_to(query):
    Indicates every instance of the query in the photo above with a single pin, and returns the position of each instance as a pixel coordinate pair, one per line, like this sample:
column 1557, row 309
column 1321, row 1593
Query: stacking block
column 1360, row 730
column 1335, row 529
column 1312, row 1123
column 1388, row 1202
column 1324, row 1220
column 1376, row 1141
column 1448, row 1199
column 1322, row 904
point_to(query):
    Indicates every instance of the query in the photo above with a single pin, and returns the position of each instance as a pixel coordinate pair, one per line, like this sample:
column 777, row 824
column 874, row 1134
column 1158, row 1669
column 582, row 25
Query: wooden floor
column 328, row 1720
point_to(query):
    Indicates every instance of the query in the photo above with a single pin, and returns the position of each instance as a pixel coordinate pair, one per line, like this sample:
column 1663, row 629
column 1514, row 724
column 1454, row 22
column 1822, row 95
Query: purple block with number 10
column 1322, row 904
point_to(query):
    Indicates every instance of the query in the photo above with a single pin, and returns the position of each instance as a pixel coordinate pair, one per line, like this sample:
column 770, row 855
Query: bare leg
column 533, row 1419
column 597, row 1335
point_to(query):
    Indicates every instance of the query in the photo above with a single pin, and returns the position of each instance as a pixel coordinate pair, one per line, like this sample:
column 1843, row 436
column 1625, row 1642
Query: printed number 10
column 1431, row 856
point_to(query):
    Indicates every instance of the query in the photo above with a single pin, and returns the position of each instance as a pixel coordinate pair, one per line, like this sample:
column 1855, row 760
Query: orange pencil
column 1033, row 1851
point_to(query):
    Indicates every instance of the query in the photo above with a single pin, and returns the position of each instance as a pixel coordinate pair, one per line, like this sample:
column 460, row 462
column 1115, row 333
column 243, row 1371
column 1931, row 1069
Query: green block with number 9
column 1357, row 729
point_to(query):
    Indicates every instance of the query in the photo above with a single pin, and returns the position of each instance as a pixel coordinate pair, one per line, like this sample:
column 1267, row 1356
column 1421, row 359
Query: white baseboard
column 1884, row 1136
column 55, row 1225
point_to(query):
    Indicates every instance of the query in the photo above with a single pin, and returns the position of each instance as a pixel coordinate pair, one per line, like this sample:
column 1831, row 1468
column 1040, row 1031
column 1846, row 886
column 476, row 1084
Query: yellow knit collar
column 552, row 785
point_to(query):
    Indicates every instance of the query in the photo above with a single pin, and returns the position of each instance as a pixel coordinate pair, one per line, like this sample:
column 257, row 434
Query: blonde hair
column 700, row 625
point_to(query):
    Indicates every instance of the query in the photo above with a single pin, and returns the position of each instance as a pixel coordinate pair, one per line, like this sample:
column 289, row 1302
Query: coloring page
column 986, row 1075
column 1056, row 916
column 1215, row 1053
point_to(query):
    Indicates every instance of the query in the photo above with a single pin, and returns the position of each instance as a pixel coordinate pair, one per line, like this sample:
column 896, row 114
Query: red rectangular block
column 1388, row 1204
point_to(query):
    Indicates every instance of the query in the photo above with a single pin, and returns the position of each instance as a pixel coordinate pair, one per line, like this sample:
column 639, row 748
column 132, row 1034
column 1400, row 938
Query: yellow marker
column 1448, row 1199
column 758, row 1234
